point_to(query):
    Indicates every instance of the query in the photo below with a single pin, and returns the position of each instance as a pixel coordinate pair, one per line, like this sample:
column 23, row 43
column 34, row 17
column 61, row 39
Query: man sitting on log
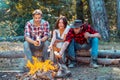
column 36, row 35
column 81, row 36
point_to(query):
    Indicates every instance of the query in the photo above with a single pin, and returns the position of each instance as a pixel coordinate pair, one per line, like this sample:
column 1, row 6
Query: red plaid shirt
column 79, row 38
column 32, row 31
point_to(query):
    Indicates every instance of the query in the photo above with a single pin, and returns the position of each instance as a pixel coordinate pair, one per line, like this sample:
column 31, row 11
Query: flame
column 40, row 65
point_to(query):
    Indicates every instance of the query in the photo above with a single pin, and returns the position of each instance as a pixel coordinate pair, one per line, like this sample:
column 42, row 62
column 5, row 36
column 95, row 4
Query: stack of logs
column 105, row 57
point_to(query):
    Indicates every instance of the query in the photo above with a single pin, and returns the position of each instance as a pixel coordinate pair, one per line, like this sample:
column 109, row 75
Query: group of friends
column 65, row 41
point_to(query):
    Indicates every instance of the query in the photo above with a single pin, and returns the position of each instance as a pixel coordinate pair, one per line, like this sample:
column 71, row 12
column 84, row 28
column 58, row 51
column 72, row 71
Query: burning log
column 45, row 75
column 104, row 61
column 44, row 70
column 101, row 53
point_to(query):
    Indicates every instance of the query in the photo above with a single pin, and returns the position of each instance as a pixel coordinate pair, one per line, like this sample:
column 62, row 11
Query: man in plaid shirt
column 36, row 34
column 81, row 36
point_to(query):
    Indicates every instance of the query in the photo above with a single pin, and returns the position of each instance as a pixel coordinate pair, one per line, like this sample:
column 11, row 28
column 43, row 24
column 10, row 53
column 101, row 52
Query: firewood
column 83, row 53
column 101, row 53
column 104, row 61
column 12, row 54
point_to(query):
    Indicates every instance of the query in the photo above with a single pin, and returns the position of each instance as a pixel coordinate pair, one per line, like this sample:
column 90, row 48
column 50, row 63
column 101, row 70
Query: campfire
column 42, row 70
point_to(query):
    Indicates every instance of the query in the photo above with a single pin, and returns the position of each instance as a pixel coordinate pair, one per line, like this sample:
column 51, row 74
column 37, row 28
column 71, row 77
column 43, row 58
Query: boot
column 63, row 71
column 72, row 61
column 93, row 63
column 72, row 64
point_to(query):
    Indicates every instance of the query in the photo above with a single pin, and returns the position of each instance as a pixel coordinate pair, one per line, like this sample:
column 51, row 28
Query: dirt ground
column 80, row 72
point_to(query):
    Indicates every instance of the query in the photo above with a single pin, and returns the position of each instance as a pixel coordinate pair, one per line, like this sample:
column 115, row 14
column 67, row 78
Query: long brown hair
column 64, row 21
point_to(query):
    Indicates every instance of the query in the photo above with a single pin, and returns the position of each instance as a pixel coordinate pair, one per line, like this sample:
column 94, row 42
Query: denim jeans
column 92, row 43
column 30, row 49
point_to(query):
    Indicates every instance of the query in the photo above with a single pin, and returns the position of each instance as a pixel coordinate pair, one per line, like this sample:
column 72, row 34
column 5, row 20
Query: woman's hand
column 50, row 47
column 57, row 55
column 57, row 40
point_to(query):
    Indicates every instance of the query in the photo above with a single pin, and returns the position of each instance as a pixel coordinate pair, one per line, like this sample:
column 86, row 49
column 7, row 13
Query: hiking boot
column 71, row 65
column 93, row 63
column 67, row 73
column 59, row 73
column 65, row 69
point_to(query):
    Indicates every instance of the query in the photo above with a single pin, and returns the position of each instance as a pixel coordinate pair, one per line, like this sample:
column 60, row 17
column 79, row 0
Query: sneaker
column 65, row 69
column 64, row 66
column 71, row 65
column 59, row 73
column 63, row 73
column 94, row 65
column 68, row 73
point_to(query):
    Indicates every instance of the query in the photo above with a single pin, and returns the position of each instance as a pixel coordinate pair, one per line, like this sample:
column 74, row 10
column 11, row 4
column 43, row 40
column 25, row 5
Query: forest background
column 15, row 13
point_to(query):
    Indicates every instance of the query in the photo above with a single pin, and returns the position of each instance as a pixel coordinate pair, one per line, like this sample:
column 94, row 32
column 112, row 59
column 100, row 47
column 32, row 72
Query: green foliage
column 15, row 13
column 111, row 8
column 8, row 28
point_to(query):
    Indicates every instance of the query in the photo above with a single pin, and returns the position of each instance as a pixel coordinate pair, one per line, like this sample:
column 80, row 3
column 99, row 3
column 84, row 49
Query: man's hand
column 87, row 35
column 36, row 43
column 97, row 35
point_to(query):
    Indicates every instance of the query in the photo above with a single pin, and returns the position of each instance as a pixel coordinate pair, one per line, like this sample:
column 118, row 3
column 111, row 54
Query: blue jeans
column 30, row 49
column 93, row 44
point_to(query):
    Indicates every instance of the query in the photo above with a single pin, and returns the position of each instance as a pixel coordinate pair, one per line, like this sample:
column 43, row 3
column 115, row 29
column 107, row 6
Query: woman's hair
column 37, row 11
column 64, row 21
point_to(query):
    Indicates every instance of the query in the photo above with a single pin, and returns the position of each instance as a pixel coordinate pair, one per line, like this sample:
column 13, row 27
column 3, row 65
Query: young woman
column 59, row 35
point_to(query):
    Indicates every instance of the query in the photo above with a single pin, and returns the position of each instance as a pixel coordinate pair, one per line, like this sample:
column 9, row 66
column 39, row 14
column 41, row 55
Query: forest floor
column 80, row 72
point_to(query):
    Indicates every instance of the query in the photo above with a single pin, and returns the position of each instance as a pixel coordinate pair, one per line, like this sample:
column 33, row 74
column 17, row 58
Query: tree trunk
column 99, row 18
column 118, row 14
column 79, row 9
column 101, row 53
column 104, row 61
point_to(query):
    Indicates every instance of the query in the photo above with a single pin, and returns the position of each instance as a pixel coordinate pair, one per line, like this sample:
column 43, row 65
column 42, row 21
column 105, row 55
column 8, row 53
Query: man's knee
column 95, row 40
column 26, row 44
column 46, row 44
